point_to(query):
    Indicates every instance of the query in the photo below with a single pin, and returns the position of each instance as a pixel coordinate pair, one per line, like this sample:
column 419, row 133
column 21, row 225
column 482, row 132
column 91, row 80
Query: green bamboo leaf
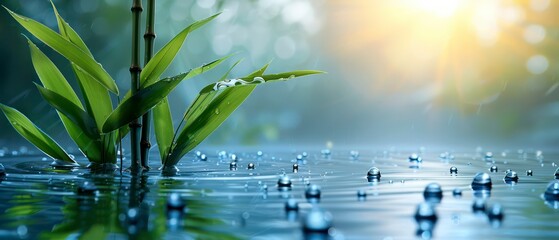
column 163, row 58
column 141, row 102
column 67, row 49
column 165, row 140
column 52, row 79
column 163, row 121
column 71, row 111
column 69, row 33
column 50, row 75
column 209, row 120
column 35, row 135
column 204, row 107
column 163, row 127
column 284, row 76
column 211, row 108
column 97, row 100
column 205, row 97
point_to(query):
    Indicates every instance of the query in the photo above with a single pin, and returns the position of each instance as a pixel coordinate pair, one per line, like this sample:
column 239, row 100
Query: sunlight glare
column 441, row 8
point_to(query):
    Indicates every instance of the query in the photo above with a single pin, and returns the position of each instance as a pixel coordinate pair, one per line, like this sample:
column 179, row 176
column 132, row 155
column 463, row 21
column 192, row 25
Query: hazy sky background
column 400, row 73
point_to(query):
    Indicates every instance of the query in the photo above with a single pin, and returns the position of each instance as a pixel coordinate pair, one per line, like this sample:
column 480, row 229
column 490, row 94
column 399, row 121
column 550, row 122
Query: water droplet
column 495, row 212
column 2, row 171
column 493, row 168
column 299, row 157
column 529, row 172
column 488, row 156
column 198, row 154
column 291, row 205
column 233, row 157
column 552, row 191
column 433, row 193
column 326, row 152
column 457, row 192
column 295, row 167
column 305, row 154
column 132, row 215
column 317, row 220
column 222, row 154
column 87, row 188
column 57, row 164
column 258, row 80
column 453, row 170
column 354, row 154
column 233, row 165
column 511, row 176
column 175, row 202
column 259, row 154
column 481, row 181
column 22, row 231
column 203, row 157
column 250, row 166
column 313, row 191
column 284, row 181
column 361, row 193
column 414, row 157
column 425, row 211
column 216, row 111
column 557, row 173
column 478, row 205
column 265, row 187
column 539, row 155
column 373, row 174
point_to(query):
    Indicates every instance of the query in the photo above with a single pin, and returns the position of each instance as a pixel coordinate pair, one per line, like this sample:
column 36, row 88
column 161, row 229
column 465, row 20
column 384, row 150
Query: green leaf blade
column 35, row 135
column 50, row 75
column 97, row 100
column 208, row 121
column 71, row 111
column 139, row 103
column 67, row 49
column 163, row 58
column 163, row 127
column 52, row 79
column 69, row 33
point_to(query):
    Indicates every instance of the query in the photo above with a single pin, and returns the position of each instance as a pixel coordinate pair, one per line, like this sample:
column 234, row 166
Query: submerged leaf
column 163, row 58
column 67, row 49
column 35, row 135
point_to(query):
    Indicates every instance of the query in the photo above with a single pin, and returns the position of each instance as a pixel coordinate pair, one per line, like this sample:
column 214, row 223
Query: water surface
column 37, row 201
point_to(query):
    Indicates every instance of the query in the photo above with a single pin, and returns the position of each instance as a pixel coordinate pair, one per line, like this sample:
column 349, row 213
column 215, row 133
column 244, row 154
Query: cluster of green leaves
column 96, row 127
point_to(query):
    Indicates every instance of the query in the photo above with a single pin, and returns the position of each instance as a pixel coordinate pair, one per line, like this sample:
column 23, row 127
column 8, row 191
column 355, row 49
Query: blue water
column 220, row 203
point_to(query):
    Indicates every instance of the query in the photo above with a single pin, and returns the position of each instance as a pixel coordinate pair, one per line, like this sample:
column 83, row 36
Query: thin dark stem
column 120, row 145
column 135, row 70
column 149, row 38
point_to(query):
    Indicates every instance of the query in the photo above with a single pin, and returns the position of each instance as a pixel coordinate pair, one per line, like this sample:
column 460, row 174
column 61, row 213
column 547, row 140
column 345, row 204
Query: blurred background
column 449, row 73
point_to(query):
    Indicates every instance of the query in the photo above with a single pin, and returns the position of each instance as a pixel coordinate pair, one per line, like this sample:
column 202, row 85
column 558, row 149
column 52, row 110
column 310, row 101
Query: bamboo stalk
column 149, row 38
column 135, row 84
